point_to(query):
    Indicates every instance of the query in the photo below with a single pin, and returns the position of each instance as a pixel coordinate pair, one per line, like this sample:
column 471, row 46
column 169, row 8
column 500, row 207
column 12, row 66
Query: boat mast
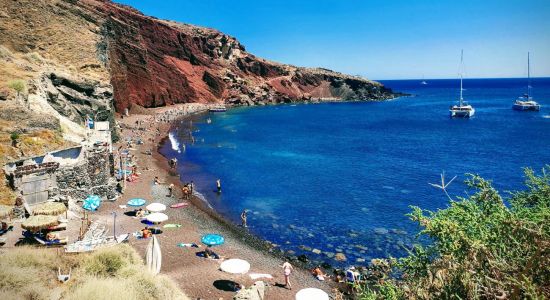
column 461, row 68
column 528, row 76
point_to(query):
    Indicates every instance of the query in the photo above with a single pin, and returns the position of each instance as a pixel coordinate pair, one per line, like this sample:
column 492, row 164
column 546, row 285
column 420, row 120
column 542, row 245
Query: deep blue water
column 336, row 176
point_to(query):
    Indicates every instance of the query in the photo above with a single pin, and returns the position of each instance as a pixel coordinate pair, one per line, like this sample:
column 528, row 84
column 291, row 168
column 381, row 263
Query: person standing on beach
column 219, row 185
column 171, row 190
column 287, row 269
column 243, row 218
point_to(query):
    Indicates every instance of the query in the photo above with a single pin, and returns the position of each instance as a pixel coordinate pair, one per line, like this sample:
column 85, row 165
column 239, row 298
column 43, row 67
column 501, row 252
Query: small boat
column 463, row 109
column 423, row 82
column 526, row 102
column 219, row 108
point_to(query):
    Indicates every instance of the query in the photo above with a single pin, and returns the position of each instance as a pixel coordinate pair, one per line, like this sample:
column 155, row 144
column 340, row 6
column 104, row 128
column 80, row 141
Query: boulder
column 340, row 256
column 255, row 292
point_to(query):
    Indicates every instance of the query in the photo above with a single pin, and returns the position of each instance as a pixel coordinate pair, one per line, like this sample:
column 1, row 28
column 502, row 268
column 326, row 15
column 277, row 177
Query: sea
column 321, row 179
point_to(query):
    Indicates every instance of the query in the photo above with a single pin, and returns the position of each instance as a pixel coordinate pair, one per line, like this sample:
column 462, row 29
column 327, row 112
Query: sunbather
column 146, row 233
column 208, row 253
column 318, row 273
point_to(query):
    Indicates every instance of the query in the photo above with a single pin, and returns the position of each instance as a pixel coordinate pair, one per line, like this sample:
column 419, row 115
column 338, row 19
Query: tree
column 14, row 136
column 18, row 85
column 483, row 247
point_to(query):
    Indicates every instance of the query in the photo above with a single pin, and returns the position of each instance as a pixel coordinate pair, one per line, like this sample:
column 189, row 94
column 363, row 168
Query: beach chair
column 4, row 231
column 40, row 239
column 63, row 277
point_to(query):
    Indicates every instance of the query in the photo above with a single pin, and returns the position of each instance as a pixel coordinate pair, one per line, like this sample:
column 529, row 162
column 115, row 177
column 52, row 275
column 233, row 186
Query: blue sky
column 391, row 39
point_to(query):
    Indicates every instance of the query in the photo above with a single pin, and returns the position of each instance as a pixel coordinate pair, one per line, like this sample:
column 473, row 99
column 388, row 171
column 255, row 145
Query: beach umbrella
column 50, row 208
column 153, row 256
column 5, row 211
column 91, row 203
column 311, row 294
column 121, row 172
column 136, row 202
column 212, row 239
column 235, row 266
column 39, row 222
column 156, row 207
column 157, row 217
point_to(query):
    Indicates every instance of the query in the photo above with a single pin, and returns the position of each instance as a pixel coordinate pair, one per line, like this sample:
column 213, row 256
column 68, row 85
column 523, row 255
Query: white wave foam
column 201, row 196
column 174, row 142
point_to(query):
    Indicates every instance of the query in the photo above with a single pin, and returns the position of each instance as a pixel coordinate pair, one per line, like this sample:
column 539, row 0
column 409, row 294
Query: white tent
column 311, row 294
column 235, row 266
column 157, row 217
column 156, row 207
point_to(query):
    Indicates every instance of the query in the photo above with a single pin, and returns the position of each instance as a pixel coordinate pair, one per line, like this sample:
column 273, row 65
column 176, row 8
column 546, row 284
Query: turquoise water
column 340, row 177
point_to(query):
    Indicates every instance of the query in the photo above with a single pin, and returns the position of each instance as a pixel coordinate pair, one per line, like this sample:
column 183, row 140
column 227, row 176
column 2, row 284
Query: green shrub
column 18, row 85
column 483, row 247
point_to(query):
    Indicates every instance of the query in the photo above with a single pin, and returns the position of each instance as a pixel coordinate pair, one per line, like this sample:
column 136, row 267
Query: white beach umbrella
column 235, row 266
column 311, row 294
column 157, row 217
column 156, row 207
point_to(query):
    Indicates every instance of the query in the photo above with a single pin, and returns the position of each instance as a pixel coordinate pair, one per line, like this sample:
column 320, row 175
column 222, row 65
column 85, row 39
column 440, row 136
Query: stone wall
column 91, row 176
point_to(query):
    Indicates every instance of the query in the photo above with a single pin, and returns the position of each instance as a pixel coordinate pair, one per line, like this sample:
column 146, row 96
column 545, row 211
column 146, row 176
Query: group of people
column 187, row 190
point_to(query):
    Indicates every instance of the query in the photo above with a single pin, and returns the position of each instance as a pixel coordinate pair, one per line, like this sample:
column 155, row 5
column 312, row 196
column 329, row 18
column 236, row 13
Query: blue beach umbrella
column 212, row 239
column 128, row 172
column 136, row 202
column 91, row 203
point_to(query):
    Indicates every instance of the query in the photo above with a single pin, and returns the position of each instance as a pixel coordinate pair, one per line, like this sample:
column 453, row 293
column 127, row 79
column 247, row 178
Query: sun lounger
column 4, row 231
column 55, row 242
column 61, row 226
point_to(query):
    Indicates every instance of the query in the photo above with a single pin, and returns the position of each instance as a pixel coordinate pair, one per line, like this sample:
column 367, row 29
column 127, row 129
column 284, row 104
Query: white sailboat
column 463, row 109
column 526, row 102
column 423, row 82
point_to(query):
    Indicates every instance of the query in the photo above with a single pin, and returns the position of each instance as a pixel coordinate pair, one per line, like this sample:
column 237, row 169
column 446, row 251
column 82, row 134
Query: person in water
column 219, row 185
column 287, row 269
column 243, row 218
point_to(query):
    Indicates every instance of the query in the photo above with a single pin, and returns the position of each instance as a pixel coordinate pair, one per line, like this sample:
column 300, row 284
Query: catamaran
column 463, row 109
column 526, row 102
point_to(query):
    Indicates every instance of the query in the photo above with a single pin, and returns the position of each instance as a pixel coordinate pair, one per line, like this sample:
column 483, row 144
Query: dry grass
column 111, row 273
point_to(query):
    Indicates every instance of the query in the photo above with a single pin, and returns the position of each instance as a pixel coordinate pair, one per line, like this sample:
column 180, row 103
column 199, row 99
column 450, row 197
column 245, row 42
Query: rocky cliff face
column 151, row 62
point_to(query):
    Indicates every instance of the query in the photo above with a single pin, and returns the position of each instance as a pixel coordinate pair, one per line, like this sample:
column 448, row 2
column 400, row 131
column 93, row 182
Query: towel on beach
column 255, row 276
column 172, row 226
column 122, row 206
column 184, row 245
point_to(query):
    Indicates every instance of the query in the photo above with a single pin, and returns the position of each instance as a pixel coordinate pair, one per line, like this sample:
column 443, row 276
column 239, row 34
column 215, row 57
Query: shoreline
column 264, row 258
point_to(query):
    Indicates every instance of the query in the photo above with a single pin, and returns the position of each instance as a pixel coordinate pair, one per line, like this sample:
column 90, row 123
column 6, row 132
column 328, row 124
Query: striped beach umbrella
column 136, row 202
column 212, row 239
column 91, row 203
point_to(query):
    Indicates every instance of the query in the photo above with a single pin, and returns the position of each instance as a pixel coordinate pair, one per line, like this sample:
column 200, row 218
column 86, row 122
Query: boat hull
column 526, row 107
column 461, row 113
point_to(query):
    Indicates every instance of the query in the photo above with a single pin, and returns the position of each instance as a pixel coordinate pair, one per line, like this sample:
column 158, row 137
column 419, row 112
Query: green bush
column 483, row 247
column 18, row 85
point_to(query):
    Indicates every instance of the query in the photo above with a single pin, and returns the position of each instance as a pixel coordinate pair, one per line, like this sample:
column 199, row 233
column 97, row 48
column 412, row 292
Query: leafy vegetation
column 18, row 85
column 483, row 247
